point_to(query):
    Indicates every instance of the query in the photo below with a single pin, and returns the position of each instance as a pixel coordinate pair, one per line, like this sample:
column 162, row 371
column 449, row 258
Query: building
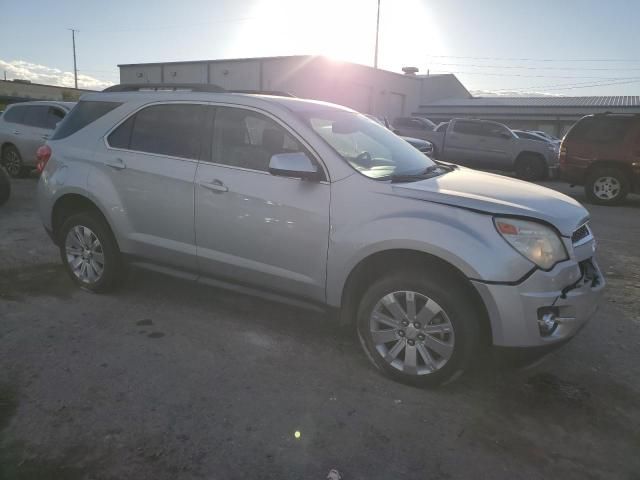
column 22, row 91
column 554, row 115
column 379, row 92
column 363, row 88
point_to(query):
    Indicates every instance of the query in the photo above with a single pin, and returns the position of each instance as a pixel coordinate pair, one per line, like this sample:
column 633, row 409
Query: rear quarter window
column 83, row 114
column 14, row 115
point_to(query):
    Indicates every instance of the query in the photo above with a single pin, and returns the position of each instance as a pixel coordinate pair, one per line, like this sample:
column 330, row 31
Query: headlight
column 533, row 240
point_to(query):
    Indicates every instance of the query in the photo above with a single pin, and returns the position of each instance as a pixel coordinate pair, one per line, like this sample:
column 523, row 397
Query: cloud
column 511, row 93
column 19, row 69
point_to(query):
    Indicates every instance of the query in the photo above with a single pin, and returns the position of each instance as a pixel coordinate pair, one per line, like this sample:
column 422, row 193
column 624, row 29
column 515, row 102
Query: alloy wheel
column 607, row 188
column 412, row 332
column 12, row 163
column 85, row 254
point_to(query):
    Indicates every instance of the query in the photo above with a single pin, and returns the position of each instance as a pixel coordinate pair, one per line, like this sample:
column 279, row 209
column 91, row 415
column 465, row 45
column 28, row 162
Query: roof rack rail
column 275, row 93
column 193, row 87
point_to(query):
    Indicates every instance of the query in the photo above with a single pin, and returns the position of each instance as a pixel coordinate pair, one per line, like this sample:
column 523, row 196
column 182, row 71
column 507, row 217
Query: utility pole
column 75, row 67
column 375, row 56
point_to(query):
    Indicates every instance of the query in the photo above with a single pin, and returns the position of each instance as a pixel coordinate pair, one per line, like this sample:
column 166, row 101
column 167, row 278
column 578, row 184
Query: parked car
column 313, row 203
column 546, row 135
column 491, row 145
column 602, row 152
column 424, row 146
column 23, row 128
column 416, row 127
column 5, row 186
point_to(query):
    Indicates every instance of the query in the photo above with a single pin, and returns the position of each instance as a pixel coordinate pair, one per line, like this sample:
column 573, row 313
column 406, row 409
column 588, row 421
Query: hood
column 496, row 194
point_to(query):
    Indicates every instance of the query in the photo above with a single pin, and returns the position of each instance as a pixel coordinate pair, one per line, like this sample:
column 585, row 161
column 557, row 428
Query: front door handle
column 215, row 186
column 116, row 164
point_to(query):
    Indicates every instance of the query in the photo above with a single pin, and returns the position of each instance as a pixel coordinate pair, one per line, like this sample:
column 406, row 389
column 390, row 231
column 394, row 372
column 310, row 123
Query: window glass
column 488, row 129
column 467, row 128
column 172, row 129
column 369, row 148
column 580, row 130
column 246, row 139
column 403, row 122
column 121, row 136
column 54, row 115
column 14, row 114
column 81, row 115
column 610, row 130
column 442, row 127
column 36, row 116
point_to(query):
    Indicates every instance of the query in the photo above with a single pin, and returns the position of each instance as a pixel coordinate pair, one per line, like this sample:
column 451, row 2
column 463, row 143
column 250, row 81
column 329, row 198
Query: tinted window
column 174, row 129
column 610, row 130
column 121, row 136
column 492, row 130
column 442, row 127
column 36, row 116
column 581, row 129
column 467, row 128
column 81, row 115
column 54, row 115
column 403, row 122
column 14, row 114
column 247, row 139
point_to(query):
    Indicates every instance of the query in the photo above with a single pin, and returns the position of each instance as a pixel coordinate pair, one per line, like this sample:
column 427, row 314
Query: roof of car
column 68, row 105
column 291, row 103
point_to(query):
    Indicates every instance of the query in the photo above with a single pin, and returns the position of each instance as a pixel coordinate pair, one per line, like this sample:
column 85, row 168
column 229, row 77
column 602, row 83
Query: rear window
column 600, row 130
column 81, row 115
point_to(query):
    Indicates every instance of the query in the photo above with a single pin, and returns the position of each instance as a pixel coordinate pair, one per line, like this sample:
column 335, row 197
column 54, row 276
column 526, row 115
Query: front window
column 368, row 147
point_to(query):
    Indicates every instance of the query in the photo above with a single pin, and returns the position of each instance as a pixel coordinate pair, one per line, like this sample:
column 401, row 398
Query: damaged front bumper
column 546, row 308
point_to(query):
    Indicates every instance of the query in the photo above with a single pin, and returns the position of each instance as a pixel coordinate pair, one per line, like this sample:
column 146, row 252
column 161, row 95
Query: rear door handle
column 16, row 132
column 116, row 164
column 45, row 136
column 215, row 186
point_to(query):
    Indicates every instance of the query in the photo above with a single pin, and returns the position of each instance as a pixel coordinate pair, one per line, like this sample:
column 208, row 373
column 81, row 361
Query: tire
column 531, row 168
column 606, row 186
column 456, row 326
column 12, row 161
column 78, row 232
column 5, row 186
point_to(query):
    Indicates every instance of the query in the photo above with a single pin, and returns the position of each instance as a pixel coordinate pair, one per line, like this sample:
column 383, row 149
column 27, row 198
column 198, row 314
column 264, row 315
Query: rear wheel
column 417, row 330
column 90, row 253
column 606, row 186
column 531, row 167
column 12, row 161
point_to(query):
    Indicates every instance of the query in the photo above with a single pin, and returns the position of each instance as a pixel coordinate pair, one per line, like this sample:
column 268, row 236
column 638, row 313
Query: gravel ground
column 171, row 380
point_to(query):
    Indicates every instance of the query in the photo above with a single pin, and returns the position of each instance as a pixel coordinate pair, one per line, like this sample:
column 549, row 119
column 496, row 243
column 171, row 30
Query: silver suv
column 24, row 127
column 315, row 204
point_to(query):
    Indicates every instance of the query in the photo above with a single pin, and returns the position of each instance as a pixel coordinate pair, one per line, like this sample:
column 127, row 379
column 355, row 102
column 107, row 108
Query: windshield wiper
column 412, row 177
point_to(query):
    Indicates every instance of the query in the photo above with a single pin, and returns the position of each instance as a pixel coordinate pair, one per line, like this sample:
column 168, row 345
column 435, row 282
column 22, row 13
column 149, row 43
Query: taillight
column 562, row 156
column 43, row 155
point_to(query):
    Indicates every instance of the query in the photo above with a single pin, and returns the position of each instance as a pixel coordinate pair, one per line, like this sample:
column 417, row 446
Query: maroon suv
column 602, row 152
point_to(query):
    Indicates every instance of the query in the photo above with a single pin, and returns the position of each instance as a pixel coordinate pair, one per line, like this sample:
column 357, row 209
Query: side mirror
column 296, row 165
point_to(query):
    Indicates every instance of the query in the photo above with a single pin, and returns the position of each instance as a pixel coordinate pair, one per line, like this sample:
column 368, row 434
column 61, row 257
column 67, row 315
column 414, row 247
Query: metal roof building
column 549, row 113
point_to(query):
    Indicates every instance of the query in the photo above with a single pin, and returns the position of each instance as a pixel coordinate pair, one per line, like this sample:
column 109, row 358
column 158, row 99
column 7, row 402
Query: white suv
column 315, row 204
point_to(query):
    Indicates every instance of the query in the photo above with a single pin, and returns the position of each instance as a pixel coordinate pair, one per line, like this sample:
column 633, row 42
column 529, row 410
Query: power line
column 519, row 67
column 620, row 60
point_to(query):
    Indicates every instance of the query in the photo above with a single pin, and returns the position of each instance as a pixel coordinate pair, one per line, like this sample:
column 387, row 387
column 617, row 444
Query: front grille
column 580, row 234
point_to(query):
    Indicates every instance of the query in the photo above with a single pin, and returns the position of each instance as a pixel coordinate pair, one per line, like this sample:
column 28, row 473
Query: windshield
column 366, row 145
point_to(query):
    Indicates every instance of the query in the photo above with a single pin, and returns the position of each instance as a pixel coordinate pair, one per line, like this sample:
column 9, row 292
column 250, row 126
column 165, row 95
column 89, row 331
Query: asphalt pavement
column 167, row 379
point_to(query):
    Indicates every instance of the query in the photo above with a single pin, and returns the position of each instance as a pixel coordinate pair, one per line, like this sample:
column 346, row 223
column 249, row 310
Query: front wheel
column 90, row 253
column 606, row 186
column 531, row 168
column 418, row 330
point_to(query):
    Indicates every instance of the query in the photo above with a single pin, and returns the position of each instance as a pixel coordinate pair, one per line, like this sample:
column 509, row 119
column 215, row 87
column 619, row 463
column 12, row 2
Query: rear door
column 253, row 227
column 151, row 160
column 464, row 143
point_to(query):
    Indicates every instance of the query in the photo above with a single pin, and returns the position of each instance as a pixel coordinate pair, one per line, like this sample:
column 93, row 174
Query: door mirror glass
column 296, row 165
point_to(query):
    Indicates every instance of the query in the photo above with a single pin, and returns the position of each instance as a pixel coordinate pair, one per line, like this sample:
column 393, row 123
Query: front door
column 252, row 227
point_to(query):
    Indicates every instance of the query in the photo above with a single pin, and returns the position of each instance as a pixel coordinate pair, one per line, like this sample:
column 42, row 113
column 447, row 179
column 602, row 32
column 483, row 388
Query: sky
column 495, row 47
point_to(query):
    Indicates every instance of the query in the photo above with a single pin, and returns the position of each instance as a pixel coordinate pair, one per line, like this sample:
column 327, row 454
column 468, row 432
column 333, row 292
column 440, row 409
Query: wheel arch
column 373, row 265
column 531, row 153
column 71, row 204
column 624, row 166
